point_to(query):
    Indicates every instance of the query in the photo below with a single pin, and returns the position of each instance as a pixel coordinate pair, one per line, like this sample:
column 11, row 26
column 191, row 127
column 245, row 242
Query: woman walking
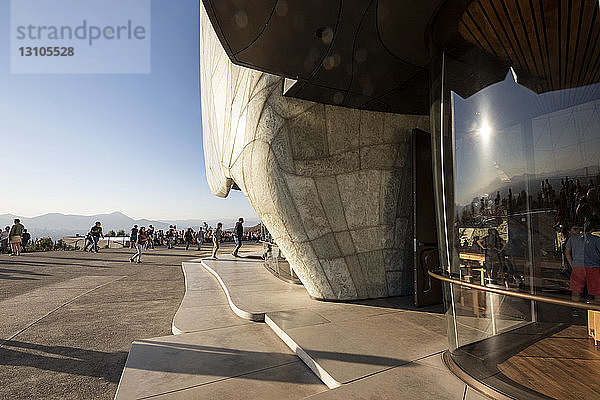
column 217, row 234
column 15, row 237
column 142, row 238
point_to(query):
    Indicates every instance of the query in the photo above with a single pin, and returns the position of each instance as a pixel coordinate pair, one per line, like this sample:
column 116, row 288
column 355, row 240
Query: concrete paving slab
column 409, row 381
column 204, row 298
column 166, row 364
column 378, row 334
column 20, row 312
column 252, row 290
column 381, row 342
column 136, row 291
column 203, row 318
column 340, row 312
column 287, row 382
column 290, row 319
column 205, row 305
column 350, row 350
column 78, row 350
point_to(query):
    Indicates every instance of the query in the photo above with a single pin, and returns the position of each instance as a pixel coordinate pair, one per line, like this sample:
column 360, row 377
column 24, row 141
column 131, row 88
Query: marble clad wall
column 333, row 185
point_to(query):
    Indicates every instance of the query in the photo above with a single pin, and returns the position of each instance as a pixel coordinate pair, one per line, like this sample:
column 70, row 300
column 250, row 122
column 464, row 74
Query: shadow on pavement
column 41, row 263
column 69, row 360
column 8, row 274
column 219, row 361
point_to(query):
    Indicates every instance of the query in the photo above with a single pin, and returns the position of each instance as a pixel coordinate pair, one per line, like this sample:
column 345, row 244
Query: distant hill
column 56, row 225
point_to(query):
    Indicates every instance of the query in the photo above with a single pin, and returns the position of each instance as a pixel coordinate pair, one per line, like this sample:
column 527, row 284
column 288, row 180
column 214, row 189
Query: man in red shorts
column 583, row 253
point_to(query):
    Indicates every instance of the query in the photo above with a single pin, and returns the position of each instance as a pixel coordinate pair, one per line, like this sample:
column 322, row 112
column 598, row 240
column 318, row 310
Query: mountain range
column 56, row 225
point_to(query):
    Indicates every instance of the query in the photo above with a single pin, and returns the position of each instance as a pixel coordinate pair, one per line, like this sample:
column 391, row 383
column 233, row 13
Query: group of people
column 565, row 230
column 13, row 239
column 148, row 233
column 238, row 237
column 17, row 237
column 142, row 239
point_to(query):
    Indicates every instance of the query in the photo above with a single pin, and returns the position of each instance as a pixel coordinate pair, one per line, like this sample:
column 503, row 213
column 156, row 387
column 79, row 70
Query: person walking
column 493, row 246
column 175, row 236
column 88, row 242
column 170, row 237
column 15, row 237
column 4, row 234
column 150, row 232
column 133, row 236
column 141, row 239
column 216, row 237
column 199, row 238
column 96, row 233
column 25, row 239
column 189, row 238
column 238, row 234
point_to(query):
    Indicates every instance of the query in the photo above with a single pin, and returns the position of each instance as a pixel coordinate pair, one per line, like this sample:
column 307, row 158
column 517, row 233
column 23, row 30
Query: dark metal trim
column 473, row 383
column 526, row 296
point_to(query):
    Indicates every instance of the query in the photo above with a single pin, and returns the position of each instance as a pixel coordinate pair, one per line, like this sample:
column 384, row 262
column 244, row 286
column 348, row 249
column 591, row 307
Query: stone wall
column 333, row 185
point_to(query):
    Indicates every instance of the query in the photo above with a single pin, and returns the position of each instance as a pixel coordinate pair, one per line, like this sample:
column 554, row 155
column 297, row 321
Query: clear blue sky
column 87, row 144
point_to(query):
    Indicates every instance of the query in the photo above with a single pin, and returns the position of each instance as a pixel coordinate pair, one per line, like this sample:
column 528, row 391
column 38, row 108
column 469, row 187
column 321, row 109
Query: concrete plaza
column 200, row 328
column 68, row 318
column 241, row 333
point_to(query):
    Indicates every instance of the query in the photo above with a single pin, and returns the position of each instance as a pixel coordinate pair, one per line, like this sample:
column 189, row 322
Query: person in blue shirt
column 583, row 253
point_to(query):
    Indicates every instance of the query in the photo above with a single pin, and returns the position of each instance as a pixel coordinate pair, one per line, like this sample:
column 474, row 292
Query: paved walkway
column 68, row 318
column 381, row 349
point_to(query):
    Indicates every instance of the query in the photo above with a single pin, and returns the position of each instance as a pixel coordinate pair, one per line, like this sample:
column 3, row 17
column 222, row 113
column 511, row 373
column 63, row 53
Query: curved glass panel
column 526, row 217
column 517, row 177
column 526, row 181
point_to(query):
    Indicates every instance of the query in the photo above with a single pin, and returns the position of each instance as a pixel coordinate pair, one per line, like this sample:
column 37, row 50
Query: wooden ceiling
column 552, row 44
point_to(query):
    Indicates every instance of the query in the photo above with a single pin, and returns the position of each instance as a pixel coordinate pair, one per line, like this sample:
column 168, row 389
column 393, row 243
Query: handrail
column 526, row 296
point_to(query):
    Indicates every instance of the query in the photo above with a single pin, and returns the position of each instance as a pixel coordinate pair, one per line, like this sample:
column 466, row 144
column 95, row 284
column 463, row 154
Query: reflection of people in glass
column 588, row 209
column 493, row 245
column 583, row 253
column 567, row 266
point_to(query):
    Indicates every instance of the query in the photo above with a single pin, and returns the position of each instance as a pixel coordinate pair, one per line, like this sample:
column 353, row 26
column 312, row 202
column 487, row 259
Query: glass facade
column 517, row 180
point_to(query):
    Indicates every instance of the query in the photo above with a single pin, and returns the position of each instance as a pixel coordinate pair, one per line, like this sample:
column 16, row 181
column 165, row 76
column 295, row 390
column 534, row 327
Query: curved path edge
column 325, row 377
column 180, row 314
column 252, row 316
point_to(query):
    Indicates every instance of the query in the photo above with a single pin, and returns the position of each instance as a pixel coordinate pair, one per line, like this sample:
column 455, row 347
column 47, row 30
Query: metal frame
column 526, row 296
column 471, row 382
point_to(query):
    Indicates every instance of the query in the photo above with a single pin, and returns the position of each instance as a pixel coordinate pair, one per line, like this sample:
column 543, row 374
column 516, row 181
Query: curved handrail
column 526, row 296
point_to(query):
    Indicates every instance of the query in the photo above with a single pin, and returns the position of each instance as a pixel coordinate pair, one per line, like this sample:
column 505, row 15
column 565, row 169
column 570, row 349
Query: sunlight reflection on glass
column 485, row 131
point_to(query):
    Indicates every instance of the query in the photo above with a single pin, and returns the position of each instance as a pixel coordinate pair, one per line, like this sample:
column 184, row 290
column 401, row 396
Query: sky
column 564, row 136
column 97, row 143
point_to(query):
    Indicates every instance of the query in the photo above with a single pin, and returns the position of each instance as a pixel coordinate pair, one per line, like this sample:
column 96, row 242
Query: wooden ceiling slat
column 466, row 31
column 545, row 50
column 587, row 34
column 553, row 37
column 578, row 43
column 594, row 67
column 564, row 39
column 474, row 29
column 495, row 39
column 533, row 35
column 507, row 24
column 513, row 15
column 556, row 42
column 496, row 24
